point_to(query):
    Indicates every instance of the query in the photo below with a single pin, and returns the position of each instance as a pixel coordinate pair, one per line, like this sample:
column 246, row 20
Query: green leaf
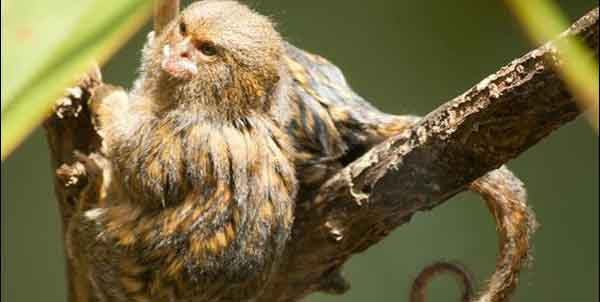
column 46, row 45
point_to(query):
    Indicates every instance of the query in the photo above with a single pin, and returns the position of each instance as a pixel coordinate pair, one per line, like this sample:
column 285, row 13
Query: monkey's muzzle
column 177, row 62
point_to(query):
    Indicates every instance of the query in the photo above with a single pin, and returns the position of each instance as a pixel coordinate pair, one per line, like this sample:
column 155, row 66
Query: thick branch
column 419, row 169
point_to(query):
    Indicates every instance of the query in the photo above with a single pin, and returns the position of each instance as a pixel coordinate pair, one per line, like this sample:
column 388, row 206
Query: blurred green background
column 406, row 57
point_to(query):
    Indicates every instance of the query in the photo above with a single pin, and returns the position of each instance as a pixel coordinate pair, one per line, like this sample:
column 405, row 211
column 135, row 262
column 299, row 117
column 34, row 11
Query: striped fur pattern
column 331, row 125
column 202, row 201
column 191, row 198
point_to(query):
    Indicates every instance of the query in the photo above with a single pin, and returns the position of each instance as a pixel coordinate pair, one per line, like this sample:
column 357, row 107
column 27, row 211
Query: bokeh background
column 406, row 57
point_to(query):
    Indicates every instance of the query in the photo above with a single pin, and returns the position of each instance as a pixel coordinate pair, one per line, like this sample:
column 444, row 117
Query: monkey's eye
column 182, row 28
column 208, row 49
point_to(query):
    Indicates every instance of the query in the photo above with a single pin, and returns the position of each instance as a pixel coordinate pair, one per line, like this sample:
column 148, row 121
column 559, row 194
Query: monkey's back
column 330, row 124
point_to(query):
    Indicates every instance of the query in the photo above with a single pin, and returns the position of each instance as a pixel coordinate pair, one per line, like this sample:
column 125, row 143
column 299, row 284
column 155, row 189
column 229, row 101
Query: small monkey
column 225, row 128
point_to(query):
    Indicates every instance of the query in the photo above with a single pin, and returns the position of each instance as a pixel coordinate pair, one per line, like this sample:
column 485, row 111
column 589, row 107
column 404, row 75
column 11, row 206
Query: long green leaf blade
column 46, row 45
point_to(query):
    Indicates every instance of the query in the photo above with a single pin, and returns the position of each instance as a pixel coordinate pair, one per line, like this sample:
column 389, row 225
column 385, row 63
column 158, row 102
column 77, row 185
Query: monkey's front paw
column 84, row 179
column 91, row 163
column 71, row 104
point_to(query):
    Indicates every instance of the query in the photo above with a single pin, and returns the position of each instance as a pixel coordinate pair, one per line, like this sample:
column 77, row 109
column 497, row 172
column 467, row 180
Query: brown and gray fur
column 205, row 183
column 207, row 169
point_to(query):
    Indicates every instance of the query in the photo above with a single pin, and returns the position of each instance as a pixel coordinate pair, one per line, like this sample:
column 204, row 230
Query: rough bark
column 490, row 124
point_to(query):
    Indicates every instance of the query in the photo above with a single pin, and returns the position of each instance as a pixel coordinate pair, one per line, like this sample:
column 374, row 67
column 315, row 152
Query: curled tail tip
column 419, row 286
column 515, row 221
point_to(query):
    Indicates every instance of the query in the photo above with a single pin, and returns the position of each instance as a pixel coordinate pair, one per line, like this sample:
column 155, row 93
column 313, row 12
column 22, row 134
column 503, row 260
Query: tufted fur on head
column 234, row 80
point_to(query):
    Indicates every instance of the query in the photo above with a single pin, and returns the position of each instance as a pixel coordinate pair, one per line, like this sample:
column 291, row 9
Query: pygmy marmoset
column 225, row 125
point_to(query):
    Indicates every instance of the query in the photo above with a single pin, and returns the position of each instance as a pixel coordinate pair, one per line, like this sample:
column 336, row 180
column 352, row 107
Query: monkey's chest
column 222, row 196
column 166, row 166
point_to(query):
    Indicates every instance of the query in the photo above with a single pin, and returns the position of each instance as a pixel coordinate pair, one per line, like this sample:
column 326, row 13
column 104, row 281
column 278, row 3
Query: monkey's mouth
column 179, row 67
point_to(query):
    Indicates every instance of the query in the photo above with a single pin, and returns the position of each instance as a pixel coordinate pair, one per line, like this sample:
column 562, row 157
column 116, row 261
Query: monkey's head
column 218, row 53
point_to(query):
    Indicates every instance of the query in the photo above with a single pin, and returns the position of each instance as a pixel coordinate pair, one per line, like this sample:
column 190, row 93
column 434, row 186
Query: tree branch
column 490, row 124
column 422, row 167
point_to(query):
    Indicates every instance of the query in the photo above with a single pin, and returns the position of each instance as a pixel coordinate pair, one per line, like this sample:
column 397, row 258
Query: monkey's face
column 221, row 50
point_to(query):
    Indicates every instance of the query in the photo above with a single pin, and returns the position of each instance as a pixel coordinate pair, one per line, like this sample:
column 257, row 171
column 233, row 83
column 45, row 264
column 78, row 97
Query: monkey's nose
column 178, row 63
column 186, row 54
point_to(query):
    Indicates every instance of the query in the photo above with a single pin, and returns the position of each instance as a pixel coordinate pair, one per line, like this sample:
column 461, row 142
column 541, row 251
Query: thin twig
column 164, row 12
